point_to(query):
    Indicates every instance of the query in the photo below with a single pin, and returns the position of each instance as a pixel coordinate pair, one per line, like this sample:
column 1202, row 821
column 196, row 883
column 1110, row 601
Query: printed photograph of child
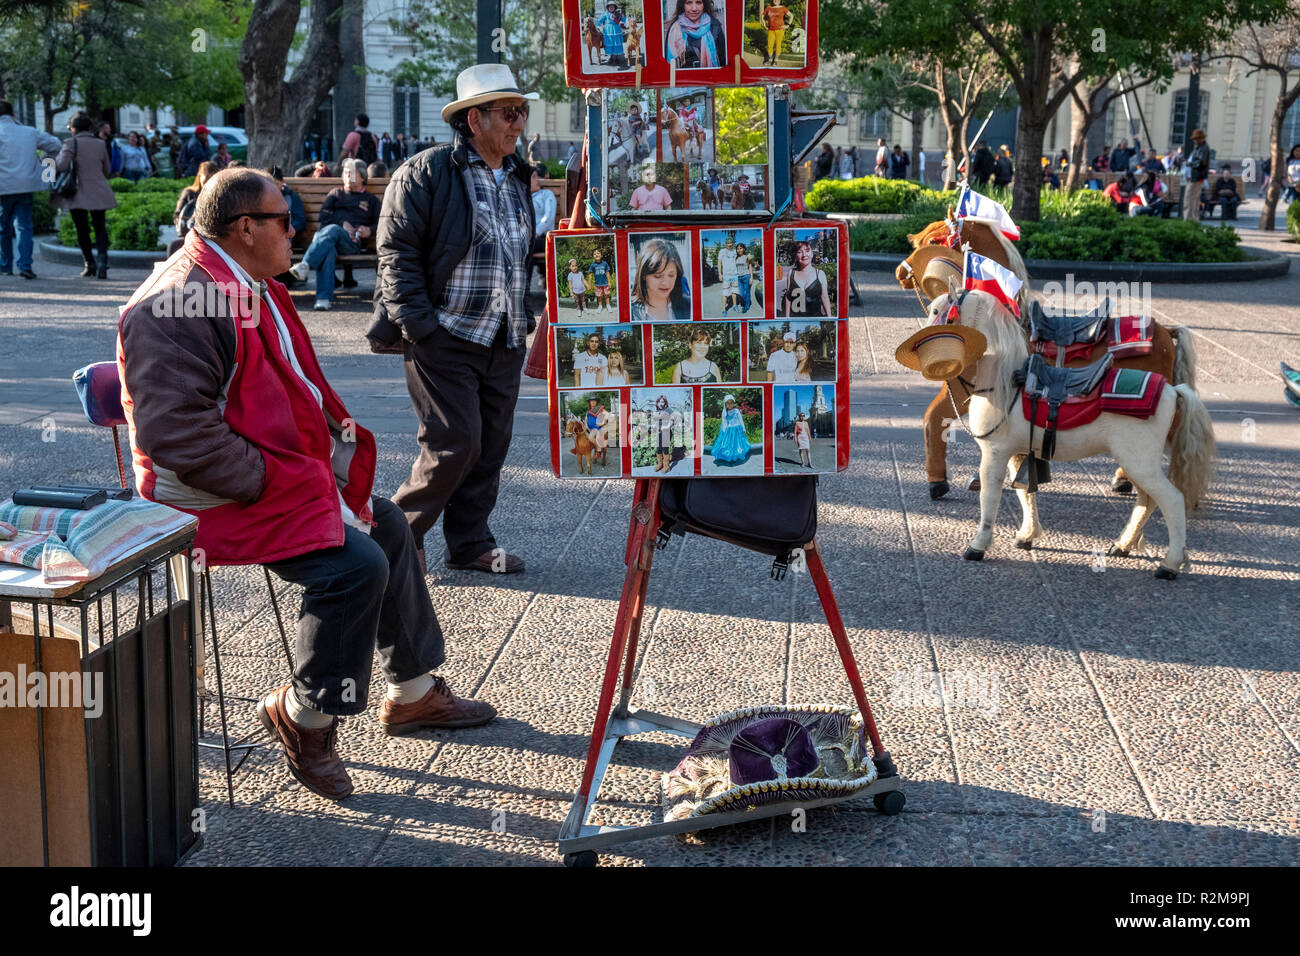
column 807, row 272
column 733, row 431
column 586, row 286
column 694, row 33
column 728, row 187
column 731, row 272
column 660, row 290
column 597, row 356
column 790, row 351
column 630, row 128
column 774, row 34
column 589, row 434
column 613, row 35
column 697, row 353
column 661, row 424
column 686, row 125
column 803, row 434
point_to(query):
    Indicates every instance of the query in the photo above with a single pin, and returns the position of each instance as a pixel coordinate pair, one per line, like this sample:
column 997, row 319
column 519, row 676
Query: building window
column 1178, row 128
column 578, row 114
column 872, row 126
column 1291, row 127
column 406, row 111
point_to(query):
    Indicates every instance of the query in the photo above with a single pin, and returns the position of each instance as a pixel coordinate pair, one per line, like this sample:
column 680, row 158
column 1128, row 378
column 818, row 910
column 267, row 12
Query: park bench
column 1210, row 203
column 1173, row 183
column 312, row 192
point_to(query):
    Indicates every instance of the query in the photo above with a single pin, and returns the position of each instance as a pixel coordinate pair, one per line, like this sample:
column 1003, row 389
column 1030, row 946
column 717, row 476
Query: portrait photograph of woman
column 700, row 353
column 661, row 425
column 660, row 290
column 694, row 33
column 733, row 431
column 807, row 276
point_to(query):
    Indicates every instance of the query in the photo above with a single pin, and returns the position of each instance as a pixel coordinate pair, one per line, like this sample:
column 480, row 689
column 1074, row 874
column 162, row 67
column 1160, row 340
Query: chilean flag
column 972, row 205
column 981, row 272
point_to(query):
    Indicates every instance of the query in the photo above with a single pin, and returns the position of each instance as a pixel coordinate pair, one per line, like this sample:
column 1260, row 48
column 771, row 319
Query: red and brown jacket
column 222, row 426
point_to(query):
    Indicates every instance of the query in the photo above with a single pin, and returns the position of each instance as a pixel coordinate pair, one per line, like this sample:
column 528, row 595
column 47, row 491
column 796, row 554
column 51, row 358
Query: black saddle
column 1043, row 382
column 1067, row 328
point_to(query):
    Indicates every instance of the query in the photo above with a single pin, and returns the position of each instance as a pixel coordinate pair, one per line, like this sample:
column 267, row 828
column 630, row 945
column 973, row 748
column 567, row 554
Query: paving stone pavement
column 1108, row 718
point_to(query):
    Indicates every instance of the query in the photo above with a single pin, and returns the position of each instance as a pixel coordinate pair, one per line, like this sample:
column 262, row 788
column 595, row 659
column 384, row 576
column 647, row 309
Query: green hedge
column 1293, row 218
column 42, row 213
column 141, row 208
column 1082, row 226
column 871, row 194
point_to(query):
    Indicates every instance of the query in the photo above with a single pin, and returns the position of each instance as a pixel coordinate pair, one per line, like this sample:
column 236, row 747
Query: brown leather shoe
column 495, row 561
column 438, row 708
column 310, row 754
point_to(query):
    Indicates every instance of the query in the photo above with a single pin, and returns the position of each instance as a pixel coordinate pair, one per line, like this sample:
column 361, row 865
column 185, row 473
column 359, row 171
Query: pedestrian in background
column 88, row 153
column 105, row 133
column 823, row 164
column 135, row 158
column 20, row 177
column 195, row 152
column 1196, row 172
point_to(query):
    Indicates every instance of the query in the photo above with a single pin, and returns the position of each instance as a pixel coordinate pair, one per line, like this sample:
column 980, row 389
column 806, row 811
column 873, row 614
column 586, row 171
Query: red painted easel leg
column 817, row 570
column 640, row 547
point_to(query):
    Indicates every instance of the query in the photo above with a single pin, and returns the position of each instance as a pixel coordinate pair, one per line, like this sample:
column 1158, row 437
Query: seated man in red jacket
column 231, row 420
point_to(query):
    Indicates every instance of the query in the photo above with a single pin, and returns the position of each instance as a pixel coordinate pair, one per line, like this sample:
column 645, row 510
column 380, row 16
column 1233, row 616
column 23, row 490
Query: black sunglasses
column 508, row 113
column 282, row 216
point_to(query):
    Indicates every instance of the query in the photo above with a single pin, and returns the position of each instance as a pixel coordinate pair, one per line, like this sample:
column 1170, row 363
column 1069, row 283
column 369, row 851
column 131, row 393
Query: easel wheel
column 582, row 860
column 890, row 804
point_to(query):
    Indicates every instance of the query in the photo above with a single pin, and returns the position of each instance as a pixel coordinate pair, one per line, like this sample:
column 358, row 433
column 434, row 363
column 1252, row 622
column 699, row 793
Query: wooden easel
column 578, row 840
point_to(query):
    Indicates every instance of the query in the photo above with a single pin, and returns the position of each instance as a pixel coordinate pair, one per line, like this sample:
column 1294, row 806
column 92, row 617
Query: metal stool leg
column 221, row 688
column 279, row 621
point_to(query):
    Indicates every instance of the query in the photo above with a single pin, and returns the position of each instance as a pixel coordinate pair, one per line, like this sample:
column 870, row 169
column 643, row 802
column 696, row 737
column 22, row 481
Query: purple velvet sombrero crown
column 769, row 754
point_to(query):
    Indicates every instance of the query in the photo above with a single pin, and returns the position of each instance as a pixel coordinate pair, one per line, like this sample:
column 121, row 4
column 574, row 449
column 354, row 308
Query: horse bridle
column 954, row 317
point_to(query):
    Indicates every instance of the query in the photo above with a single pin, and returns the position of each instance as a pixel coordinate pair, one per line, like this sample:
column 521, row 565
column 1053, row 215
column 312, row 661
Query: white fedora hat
column 481, row 84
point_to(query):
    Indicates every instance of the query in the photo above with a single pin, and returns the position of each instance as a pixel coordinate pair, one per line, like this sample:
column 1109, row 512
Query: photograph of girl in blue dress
column 698, row 353
column 612, row 35
column 694, row 33
column 733, row 431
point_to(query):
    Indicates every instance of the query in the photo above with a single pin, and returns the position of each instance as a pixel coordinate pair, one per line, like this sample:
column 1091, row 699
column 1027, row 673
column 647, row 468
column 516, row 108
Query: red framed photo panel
column 626, row 43
column 742, row 383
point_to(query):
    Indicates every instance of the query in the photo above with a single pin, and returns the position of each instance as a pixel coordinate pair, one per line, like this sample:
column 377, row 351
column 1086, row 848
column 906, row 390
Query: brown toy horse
column 679, row 136
column 1172, row 354
column 592, row 40
column 582, row 445
column 708, row 198
column 632, row 42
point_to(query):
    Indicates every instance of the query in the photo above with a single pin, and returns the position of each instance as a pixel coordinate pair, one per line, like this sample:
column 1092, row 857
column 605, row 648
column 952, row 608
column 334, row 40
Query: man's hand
column 363, row 232
column 351, row 230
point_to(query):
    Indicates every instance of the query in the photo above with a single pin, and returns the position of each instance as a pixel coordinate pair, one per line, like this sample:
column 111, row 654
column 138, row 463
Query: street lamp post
column 489, row 29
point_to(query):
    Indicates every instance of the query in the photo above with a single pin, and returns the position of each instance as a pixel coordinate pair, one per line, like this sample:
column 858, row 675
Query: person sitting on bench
column 1120, row 193
column 347, row 216
column 1148, row 198
column 1224, row 193
column 234, row 423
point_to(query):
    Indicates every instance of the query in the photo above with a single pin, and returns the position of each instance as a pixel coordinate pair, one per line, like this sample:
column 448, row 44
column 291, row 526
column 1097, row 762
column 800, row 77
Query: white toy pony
column 1002, row 431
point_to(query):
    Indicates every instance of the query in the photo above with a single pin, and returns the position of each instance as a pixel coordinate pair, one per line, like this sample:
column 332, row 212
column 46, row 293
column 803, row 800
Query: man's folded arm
column 175, row 369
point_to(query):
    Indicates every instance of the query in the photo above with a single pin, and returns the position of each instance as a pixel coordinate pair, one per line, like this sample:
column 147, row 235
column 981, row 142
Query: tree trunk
column 1081, row 120
column 1268, row 215
column 918, row 123
column 350, row 90
column 279, row 112
column 47, row 101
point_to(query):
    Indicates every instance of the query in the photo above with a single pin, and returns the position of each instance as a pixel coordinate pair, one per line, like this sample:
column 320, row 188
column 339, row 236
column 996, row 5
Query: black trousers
column 367, row 594
column 464, row 396
column 82, row 218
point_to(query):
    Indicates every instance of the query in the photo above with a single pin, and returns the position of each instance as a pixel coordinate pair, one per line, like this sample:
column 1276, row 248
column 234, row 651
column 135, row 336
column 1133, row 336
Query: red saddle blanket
column 1124, row 391
column 1126, row 336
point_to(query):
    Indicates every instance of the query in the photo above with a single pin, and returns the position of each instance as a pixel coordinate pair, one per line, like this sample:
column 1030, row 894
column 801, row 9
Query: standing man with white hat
column 454, row 240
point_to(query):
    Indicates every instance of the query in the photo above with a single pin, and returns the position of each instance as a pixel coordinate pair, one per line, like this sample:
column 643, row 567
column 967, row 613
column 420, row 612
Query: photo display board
column 630, row 43
column 689, row 153
column 681, row 351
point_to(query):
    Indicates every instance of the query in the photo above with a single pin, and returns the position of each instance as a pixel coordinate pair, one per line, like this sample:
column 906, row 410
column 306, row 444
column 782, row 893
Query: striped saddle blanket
column 1121, row 391
column 1125, row 336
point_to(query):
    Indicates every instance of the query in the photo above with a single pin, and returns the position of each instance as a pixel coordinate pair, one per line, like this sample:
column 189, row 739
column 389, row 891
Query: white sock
column 410, row 691
column 304, row 716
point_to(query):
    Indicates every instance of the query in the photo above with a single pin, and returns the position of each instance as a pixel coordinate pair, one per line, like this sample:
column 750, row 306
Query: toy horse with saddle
column 708, row 198
column 1021, row 405
column 1133, row 341
column 592, row 40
